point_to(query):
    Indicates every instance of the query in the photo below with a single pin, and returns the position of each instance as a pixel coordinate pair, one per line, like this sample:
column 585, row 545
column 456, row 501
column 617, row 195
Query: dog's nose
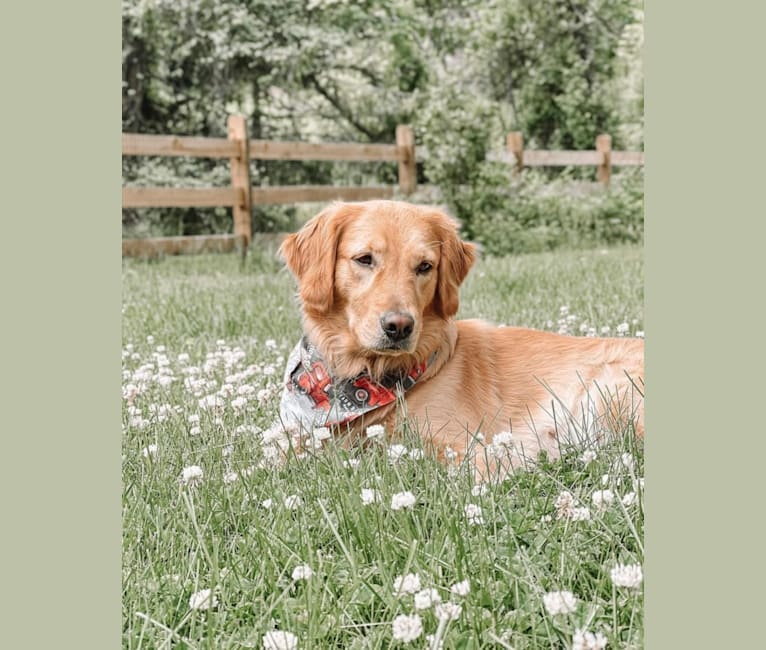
column 397, row 325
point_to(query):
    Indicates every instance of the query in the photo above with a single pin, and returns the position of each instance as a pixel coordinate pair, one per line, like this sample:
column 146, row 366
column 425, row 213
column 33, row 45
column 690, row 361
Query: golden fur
column 540, row 386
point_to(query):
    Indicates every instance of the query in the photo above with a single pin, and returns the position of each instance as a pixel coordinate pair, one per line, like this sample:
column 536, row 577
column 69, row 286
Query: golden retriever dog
column 378, row 284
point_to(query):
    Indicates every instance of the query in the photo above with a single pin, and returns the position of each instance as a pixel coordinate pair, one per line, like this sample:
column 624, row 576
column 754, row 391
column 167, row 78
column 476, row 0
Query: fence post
column 516, row 147
column 604, row 171
column 240, row 180
column 405, row 140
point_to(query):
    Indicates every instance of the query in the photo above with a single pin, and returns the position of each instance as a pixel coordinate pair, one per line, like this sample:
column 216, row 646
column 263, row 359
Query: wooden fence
column 603, row 158
column 241, row 196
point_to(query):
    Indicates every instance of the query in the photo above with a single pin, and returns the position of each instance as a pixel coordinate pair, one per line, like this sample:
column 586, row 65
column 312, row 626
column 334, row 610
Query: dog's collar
column 313, row 398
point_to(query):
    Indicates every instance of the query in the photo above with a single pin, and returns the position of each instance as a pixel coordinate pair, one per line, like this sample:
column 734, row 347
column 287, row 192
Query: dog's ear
column 457, row 258
column 311, row 253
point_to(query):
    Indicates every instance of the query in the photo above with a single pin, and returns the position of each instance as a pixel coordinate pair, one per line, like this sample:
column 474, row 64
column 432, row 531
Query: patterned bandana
column 312, row 398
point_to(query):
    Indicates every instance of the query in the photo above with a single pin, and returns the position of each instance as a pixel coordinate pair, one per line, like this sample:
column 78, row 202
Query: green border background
column 704, row 96
column 61, row 307
column 61, row 316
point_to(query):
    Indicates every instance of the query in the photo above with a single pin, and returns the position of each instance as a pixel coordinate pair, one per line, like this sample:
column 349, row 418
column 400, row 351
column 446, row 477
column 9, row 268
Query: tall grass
column 204, row 347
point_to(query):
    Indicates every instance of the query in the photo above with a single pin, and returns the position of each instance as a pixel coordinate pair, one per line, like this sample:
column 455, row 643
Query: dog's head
column 380, row 272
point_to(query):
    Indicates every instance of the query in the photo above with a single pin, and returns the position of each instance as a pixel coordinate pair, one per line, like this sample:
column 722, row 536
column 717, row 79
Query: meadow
column 227, row 546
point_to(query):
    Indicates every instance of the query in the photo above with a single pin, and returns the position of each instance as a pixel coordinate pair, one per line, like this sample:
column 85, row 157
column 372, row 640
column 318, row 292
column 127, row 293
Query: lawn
column 311, row 553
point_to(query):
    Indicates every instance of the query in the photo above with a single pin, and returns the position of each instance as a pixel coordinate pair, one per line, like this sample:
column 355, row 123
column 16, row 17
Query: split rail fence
column 603, row 158
column 241, row 195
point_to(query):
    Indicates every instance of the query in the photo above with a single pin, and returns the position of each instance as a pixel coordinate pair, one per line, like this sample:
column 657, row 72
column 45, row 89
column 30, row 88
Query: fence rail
column 241, row 195
column 603, row 158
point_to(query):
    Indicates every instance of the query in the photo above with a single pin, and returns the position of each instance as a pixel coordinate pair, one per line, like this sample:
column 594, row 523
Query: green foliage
column 555, row 62
column 533, row 213
column 463, row 74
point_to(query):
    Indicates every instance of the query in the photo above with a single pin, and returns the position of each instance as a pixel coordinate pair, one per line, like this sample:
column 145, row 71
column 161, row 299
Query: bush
column 534, row 214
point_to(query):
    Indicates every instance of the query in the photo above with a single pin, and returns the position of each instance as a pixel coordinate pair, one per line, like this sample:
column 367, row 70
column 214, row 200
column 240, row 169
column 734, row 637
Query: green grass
column 237, row 325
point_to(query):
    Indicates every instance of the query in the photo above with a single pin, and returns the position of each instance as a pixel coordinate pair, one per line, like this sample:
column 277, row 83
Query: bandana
column 312, row 398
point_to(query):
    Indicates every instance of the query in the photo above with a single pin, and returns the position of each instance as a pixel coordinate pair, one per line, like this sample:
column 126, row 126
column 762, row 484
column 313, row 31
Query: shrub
column 533, row 214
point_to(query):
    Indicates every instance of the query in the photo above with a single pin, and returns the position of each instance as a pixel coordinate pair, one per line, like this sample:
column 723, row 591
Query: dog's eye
column 364, row 260
column 424, row 267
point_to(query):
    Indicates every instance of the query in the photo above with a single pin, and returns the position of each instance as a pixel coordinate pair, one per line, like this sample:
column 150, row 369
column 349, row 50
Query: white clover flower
column 580, row 514
column 150, row 451
column 605, row 329
column 195, row 431
column 239, row 403
column 274, row 434
column 427, row 598
column 302, row 572
column 375, row 430
column 293, row 502
column 402, row 500
column 396, row 453
column 623, row 329
column 627, row 575
column 211, row 402
column 406, row 584
column 192, row 475
column 139, row 422
column 448, row 611
column 500, row 447
column 640, row 334
column 227, row 390
column 183, row 358
column 280, row 640
column 473, row 514
column 407, row 628
column 479, row 490
column 150, row 339
column 628, row 462
column 602, row 498
column 129, row 392
column 450, row 455
column 461, row 588
column 322, row 433
column 584, row 640
column 564, row 503
column 230, row 477
column 246, row 390
column 267, row 503
column 546, row 519
column 629, row 499
column 560, row 602
column 588, row 456
column 203, row 599
column 416, row 454
column 370, row 496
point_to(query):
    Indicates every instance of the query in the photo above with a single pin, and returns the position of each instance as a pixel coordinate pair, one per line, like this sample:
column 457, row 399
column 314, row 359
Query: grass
column 200, row 326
